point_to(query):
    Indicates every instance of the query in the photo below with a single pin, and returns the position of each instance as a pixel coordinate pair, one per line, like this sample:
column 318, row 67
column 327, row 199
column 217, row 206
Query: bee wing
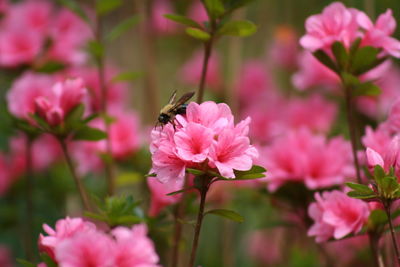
column 182, row 100
column 172, row 98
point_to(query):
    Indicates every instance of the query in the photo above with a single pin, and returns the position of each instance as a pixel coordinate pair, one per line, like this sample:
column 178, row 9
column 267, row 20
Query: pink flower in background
column 92, row 248
column 125, row 137
column 336, row 215
column 159, row 198
column 65, row 229
column 284, row 48
column 379, row 35
column 4, row 5
column 387, row 158
column 5, row 257
column 6, row 177
column 392, row 124
column 313, row 73
column 265, row 246
column 19, row 47
column 190, row 72
column 378, row 140
column 69, row 34
column 197, row 12
column 24, row 91
column 117, row 92
column 64, row 96
column 254, row 83
column 311, row 159
column 335, row 23
column 161, row 24
column 134, row 248
column 206, row 134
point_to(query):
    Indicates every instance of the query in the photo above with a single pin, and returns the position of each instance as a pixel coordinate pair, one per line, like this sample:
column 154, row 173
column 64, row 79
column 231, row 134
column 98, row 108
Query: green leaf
column 377, row 217
column 151, row 175
column 198, row 34
column 340, row 53
column 74, row 117
column 379, row 173
column 96, row 49
column 180, row 191
column 75, row 8
column 361, row 188
column 215, row 8
column 122, row 27
column 326, row 60
column 26, row 263
column 254, row 173
column 364, row 59
column 367, row 89
column 231, row 5
column 364, row 196
column 49, row 261
column 240, row 28
column 183, row 20
column 89, row 134
column 389, row 186
column 51, row 67
column 103, row 7
column 195, row 171
column 127, row 76
column 354, row 46
column 350, row 80
column 229, row 214
column 41, row 122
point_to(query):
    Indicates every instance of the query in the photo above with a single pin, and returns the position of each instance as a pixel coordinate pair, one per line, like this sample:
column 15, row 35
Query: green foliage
column 326, row 60
column 95, row 49
column 127, row 76
column 215, row 8
column 89, row 134
column 183, row 20
column 340, row 53
column 49, row 261
column 76, row 8
column 198, row 34
column 104, row 7
column 122, row 27
column 181, row 191
column 364, row 59
column 26, row 263
column 240, row 28
column 118, row 210
column 51, row 67
column 229, row 214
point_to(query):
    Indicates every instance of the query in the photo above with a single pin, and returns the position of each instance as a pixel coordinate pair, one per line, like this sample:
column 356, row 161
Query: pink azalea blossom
column 19, row 47
column 6, row 175
column 69, row 34
column 134, row 248
column 159, row 198
column 190, row 72
column 24, row 91
column 386, row 159
column 161, row 24
column 379, row 35
column 65, row 229
column 85, row 249
column 310, row 159
column 63, row 98
column 336, row 215
column 335, row 23
column 206, row 134
column 197, row 12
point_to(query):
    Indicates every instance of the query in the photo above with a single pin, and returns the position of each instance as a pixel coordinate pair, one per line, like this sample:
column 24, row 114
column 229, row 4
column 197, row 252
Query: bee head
column 164, row 118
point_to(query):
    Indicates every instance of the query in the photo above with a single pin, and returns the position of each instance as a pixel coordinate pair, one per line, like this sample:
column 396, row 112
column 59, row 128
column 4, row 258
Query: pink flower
column 161, row 24
column 335, row 23
column 190, row 72
column 6, row 175
column 64, row 97
column 65, row 229
column 134, row 248
column 19, row 47
column 24, row 91
column 206, row 135
column 392, row 124
column 311, row 159
column 197, row 12
column 90, row 248
column 386, row 159
column 4, row 5
column 159, row 198
column 69, row 34
column 336, row 215
column 378, row 35
column 5, row 257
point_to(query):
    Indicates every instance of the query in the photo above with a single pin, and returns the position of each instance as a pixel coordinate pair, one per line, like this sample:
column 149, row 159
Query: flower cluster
column 78, row 243
column 338, row 23
column 32, row 33
column 336, row 215
column 205, row 138
column 311, row 159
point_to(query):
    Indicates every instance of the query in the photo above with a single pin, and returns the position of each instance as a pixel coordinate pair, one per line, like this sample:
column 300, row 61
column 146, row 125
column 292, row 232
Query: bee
column 173, row 108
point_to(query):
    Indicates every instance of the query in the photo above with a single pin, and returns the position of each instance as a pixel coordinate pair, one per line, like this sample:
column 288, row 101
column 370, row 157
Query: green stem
column 178, row 215
column 374, row 245
column 29, row 200
column 392, row 232
column 77, row 180
column 352, row 124
column 203, row 194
